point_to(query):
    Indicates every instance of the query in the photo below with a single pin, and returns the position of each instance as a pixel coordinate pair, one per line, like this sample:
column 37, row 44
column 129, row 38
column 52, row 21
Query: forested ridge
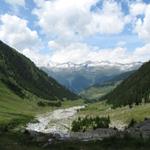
column 19, row 74
column 133, row 90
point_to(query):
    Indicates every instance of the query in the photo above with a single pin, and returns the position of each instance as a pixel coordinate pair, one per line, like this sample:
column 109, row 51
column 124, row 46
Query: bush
column 83, row 124
column 132, row 123
column 4, row 127
column 53, row 104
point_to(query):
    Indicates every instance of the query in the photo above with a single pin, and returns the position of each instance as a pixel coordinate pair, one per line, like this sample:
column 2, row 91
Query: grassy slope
column 121, row 114
column 14, row 107
column 99, row 90
column 95, row 92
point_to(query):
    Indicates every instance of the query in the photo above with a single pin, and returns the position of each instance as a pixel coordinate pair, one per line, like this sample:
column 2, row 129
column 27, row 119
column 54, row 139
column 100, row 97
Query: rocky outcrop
column 97, row 134
column 140, row 130
column 90, row 135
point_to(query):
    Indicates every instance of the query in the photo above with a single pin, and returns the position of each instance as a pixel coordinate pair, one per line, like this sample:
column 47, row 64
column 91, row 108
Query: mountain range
column 78, row 77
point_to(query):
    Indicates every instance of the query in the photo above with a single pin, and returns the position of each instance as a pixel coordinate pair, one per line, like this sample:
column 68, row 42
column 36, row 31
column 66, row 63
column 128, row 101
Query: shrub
column 4, row 127
column 83, row 124
column 132, row 123
column 53, row 104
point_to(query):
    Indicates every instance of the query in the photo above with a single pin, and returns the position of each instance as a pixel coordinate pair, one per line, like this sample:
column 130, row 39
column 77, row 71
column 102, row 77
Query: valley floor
column 15, row 111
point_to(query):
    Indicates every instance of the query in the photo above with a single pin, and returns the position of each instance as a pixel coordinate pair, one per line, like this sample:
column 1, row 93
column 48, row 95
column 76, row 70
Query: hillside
column 20, row 75
column 135, row 89
column 100, row 89
column 13, row 107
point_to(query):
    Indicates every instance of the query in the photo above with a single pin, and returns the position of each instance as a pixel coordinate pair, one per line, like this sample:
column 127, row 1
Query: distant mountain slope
column 135, row 89
column 78, row 77
column 95, row 92
column 19, row 74
column 116, row 78
column 100, row 89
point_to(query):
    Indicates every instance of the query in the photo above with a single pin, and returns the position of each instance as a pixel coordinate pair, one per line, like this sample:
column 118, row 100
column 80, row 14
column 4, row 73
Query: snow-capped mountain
column 77, row 77
column 88, row 64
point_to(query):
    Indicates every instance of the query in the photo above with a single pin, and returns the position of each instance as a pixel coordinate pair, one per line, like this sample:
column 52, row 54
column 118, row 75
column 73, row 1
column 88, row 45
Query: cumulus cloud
column 38, row 58
column 75, row 18
column 137, row 8
column 81, row 52
column 143, row 25
column 109, row 20
column 140, row 16
column 15, row 32
column 16, row 2
column 142, row 53
column 65, row 24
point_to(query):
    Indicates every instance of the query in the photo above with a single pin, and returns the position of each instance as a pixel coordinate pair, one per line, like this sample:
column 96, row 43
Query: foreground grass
column 18, row 141
column 107, row 144
column 122, row 114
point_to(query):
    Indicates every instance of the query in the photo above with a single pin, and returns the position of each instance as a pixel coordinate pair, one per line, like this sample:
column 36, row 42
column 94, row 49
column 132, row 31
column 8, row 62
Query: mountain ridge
column 78, row 77
column 20, row 73
column 133, row 90
column 92, row 64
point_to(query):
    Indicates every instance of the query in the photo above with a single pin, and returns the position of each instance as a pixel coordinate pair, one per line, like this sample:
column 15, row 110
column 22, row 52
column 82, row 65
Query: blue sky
column 77, row 31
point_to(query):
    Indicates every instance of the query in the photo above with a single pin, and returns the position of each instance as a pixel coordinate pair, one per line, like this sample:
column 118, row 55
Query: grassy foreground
column 10, row 141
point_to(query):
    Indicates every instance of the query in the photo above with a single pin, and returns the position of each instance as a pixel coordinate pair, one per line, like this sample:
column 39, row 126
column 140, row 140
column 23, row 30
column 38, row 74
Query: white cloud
column 137, row 8
column 68, row 18
column 142, row 53
column 16, row 2
column 65, row 21
column 109, row 20
column 81, row 52
column 53, row 45
column 38, row 58
column 15, row 32
column 143, row 25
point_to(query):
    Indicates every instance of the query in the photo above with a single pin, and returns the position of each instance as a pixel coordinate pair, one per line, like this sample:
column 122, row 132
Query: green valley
column 26, row 92
column 74, row 74
column 95, row 92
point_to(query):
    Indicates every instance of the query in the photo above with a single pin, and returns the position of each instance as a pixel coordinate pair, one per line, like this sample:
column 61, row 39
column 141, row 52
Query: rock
column 97, row 134
column 141, row 129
